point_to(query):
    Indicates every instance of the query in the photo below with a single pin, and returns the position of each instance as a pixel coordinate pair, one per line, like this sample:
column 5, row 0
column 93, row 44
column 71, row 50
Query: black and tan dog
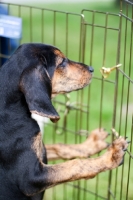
column 28, row 80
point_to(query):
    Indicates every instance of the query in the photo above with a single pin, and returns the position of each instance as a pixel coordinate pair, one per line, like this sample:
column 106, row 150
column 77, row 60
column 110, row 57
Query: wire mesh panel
column 98, row 39
column 116, row 93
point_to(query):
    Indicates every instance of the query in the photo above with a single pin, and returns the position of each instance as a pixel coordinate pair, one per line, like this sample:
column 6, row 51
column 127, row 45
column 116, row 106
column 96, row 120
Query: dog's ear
column 35, row 84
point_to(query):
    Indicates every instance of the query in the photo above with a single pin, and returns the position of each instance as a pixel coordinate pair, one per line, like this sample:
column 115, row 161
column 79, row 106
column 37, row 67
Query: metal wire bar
column 82, row 39
column 67, row 34
column 30, row 24
column 125, row 75
column 80, row 126
column 131, row 157
column 42, row 31
column 40, row 8
column 128, row 18
column 117, row 61
column 65, row 141
column 123, row 81
column 72, row 107
column 54, row 28
column 129, row 2
column 115, row 103
column 105, row 80
column 92, row 37
column 128, row 93
column 76, row 139
column 100, row 12
column 89, row 89
column 103, row 64
column 102, row 88
column 100, row 26
column 86, row 190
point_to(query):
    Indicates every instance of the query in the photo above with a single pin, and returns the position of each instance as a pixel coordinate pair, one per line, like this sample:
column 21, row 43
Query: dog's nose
column 91, row 69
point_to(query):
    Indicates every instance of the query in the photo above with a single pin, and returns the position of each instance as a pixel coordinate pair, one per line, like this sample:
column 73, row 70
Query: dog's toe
column 116, row 152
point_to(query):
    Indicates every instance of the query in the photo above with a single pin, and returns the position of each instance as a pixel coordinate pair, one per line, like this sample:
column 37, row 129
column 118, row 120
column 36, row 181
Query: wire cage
column 100, row 39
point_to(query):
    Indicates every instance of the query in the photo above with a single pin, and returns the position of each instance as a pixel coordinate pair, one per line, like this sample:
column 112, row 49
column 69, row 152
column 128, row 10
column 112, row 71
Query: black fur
column 22, row 78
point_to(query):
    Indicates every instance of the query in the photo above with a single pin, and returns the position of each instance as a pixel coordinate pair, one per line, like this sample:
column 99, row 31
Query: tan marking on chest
column 37, row 145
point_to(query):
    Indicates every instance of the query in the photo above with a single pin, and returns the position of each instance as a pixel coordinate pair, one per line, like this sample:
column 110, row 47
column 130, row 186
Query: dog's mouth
column 67, row 80
column 75, row 87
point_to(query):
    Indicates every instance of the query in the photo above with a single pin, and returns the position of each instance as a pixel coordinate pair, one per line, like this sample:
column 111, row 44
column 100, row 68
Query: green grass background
column 101, row 49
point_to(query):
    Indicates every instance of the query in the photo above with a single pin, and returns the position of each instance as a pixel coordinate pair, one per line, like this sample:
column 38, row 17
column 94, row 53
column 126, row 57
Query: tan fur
column 93, row 144
column 37, row 146
column 59, row 53
column 87, row 168
column 72, row 77
column 58, row 60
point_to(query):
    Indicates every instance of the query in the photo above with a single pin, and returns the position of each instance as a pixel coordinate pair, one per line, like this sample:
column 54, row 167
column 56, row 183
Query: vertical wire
column 65, row 140
column 123, row 79
column 115, row 102
column 102, row 84
column 65, row 133
column 67, row 34
column 77, row 97
column 87, row 117
column 30, row 24
column 81, row 49
column 129, row 164
column 80, row 126
column 42, row 25
column 76, row 138
column 89, row 88
column 91, row 53
column 83, row 60
column 121, row 191
column 102, row 91
column 117, row 61
column 121, row 5
column 19, row 14
column 92, row 36
column 82, row 91
column 56, row 125
column 81, row 122
column 84, row 43
column 54, row 28
column 128, row 93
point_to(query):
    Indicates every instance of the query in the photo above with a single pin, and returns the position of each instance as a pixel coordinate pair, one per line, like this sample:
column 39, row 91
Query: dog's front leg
column 50, row 175
column 93, row 144
column 88, row 168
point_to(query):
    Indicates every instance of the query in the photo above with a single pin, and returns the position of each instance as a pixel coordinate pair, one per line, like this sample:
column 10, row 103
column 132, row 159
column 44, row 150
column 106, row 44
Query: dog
column 33, row 75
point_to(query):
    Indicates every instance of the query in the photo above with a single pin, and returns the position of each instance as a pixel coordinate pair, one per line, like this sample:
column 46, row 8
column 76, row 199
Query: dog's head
column 49, row 73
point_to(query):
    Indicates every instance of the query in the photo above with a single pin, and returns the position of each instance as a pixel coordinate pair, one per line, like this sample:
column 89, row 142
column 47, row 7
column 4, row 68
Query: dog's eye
column 61, row 62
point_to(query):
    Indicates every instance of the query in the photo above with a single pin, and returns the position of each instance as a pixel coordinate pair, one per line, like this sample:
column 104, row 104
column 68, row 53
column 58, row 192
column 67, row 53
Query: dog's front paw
column 115, row 154
column 96, row 141
column 98, row 134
